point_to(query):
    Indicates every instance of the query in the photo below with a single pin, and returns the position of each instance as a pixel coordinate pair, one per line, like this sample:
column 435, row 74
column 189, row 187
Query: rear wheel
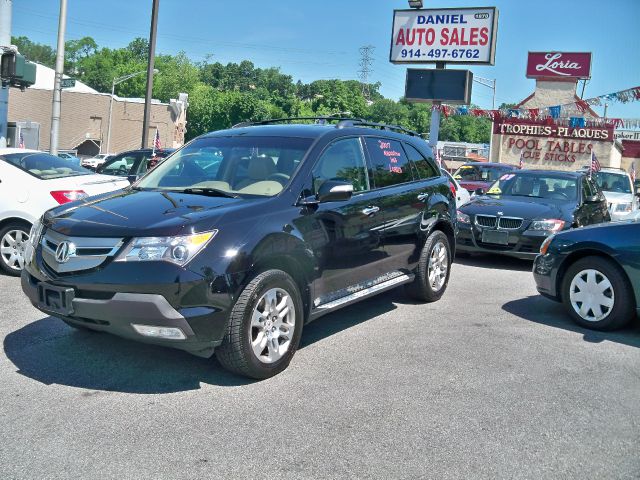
column 265, row 327
column 432, row 274
column 13, row 241
column 597, row 294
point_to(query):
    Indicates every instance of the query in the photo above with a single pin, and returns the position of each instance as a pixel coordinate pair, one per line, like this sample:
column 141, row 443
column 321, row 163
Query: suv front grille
column 486, row 221
column 85, row 252
column 510, row 223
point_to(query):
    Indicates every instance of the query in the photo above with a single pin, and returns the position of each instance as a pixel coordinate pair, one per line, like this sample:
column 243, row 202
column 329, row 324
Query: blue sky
column 313, row 40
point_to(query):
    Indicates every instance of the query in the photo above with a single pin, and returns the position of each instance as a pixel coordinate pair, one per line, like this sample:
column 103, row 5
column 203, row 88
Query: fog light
column 159, row 332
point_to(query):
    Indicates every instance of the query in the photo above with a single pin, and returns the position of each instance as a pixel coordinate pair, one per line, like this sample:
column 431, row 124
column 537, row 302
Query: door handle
column 423, row 196
column 370, row 210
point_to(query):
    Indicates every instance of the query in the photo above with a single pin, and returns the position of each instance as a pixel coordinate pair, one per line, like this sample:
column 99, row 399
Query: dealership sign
column 559, row 65
column 449, row 35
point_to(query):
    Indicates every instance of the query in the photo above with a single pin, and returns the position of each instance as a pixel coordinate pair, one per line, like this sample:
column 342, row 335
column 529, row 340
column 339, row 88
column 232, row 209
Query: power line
column 366, row 61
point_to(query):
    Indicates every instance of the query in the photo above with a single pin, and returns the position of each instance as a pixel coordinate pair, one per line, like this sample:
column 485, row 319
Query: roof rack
column 322, row 119
column 343, row 122
column 358, row 122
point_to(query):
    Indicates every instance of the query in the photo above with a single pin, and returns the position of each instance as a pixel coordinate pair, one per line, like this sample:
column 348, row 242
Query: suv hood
column 521, row 207
column 135, row 213
column 618, row 197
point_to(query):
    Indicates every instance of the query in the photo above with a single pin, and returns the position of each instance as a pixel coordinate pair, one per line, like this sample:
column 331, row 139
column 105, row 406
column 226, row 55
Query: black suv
column 244, row 235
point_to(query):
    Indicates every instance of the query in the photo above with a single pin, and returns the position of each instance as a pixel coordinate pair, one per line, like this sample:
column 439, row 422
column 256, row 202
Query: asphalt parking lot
column 491, row 382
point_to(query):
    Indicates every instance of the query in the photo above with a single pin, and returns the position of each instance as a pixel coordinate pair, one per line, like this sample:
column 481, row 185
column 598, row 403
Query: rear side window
column 390, row 164
column 424, row 167
column 119, row 166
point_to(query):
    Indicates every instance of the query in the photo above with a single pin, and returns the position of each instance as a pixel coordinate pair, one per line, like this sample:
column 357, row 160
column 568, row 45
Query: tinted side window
column 342, row 160
column 119, row 166
column 424, row 167
column 389, row 162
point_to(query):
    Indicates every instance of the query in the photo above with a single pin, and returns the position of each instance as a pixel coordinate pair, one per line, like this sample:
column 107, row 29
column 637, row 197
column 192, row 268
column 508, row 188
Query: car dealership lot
column 491, row 381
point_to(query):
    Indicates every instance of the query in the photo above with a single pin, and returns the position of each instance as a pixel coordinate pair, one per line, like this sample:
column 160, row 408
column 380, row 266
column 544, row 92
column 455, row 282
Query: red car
column 474, row 176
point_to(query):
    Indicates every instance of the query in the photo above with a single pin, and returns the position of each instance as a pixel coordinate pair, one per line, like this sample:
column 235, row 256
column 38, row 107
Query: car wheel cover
column 591, row 295
column 12, row 248
column 438, row 266
column 272, row 325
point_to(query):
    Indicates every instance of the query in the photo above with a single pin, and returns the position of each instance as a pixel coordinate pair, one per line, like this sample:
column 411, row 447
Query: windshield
column 45, row 166
column 613, row 182
column 548, row 186
column 479, row 173
column 238, row 165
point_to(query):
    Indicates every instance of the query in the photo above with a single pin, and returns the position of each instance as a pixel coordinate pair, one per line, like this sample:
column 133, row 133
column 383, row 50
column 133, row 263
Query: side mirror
column 335, row 191
column 133, row 178
column 478, row 191
column 592, row 199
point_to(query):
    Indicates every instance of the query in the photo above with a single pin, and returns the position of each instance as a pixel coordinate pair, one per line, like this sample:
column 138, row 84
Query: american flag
column 632, row 173
column 21, row 141
column 156, row 142
column 521, row 163
column 595, row 164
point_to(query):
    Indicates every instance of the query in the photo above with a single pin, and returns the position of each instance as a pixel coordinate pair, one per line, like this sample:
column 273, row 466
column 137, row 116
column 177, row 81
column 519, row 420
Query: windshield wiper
column 524, row 195
column 212, row 192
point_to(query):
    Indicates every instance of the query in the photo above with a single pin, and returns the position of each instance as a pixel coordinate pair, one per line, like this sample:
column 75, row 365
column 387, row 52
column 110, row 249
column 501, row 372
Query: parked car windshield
column 45, row 166
column 479, row 173
column 548, row 186
column 237, row 165
column 613, row 182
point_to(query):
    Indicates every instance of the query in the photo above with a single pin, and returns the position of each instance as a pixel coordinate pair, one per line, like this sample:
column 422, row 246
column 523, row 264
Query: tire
column 248, row 324
column 422, row 288
column 612, row 308
column 13, row 240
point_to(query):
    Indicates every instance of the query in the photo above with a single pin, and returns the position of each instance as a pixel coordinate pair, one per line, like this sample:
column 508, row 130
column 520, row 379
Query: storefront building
column 565, row 140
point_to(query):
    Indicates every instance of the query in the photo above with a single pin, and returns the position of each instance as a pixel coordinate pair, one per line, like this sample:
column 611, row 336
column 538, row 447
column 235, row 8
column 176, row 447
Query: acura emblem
column 64, row 251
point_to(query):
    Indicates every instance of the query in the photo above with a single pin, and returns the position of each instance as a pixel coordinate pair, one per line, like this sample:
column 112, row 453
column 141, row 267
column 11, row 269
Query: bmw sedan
column 595, row 272
column 524, row 207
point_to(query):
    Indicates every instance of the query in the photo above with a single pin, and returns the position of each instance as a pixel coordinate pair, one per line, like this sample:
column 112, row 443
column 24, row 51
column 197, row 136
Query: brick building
column 85, row 117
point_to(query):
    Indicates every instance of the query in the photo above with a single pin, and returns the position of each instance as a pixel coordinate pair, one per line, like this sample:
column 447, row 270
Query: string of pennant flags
column 557, row 114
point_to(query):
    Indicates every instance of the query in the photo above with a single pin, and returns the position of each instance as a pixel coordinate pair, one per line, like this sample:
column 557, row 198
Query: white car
column 95, row 162
column 618, row 190
column 32, row 182
column 462, row 196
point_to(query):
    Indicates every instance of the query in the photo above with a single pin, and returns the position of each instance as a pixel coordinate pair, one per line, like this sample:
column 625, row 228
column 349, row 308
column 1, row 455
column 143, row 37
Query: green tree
column 36, row 52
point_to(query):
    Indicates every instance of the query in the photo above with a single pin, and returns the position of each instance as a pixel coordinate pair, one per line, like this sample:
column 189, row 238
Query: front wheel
column 597, row 294
column 13, row 241
column 432, row 274
column 265, row 327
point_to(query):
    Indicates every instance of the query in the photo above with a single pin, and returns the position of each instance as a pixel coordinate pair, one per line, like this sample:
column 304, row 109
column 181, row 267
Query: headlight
column 550, row 225
column 624, row 207
column 36, row 231
column 178, row 250
column 545, row 245
column 463, row 217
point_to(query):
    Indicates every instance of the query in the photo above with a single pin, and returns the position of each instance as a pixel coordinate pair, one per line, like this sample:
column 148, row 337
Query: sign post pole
column 434, row 129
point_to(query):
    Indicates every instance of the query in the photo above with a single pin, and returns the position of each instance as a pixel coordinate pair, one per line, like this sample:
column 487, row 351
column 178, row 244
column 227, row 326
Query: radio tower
column 366, row 60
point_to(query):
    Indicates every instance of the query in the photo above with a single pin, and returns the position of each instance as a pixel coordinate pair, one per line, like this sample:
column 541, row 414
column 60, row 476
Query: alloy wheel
column 12, row 247
column 438, row 266
column 591, row 295
column 272, row 325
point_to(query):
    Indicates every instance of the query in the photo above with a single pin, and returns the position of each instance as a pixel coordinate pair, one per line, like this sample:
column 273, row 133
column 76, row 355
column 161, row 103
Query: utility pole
column 5, row 41
column 366, row 60
column 434, row 128
column 152, row 55
column 57, row 88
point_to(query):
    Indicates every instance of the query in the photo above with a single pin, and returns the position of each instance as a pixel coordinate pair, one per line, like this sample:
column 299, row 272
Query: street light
column 115, row 82
column 415, row 3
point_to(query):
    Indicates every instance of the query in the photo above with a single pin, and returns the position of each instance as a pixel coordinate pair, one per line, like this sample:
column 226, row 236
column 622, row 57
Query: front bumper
column 545, row 269
column 160, row 295
column 522, row 244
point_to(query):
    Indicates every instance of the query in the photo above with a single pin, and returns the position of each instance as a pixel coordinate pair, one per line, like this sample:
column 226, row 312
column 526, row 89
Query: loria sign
column 559, row 65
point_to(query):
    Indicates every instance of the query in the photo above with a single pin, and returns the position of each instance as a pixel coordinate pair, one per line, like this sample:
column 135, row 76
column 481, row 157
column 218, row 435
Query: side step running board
column 374, row 289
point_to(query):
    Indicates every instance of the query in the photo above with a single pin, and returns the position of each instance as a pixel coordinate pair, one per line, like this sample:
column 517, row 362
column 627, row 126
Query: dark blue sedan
column 595, row 272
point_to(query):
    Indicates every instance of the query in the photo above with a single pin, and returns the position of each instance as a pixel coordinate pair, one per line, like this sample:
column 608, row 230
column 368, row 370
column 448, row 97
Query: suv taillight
column 66, row 196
